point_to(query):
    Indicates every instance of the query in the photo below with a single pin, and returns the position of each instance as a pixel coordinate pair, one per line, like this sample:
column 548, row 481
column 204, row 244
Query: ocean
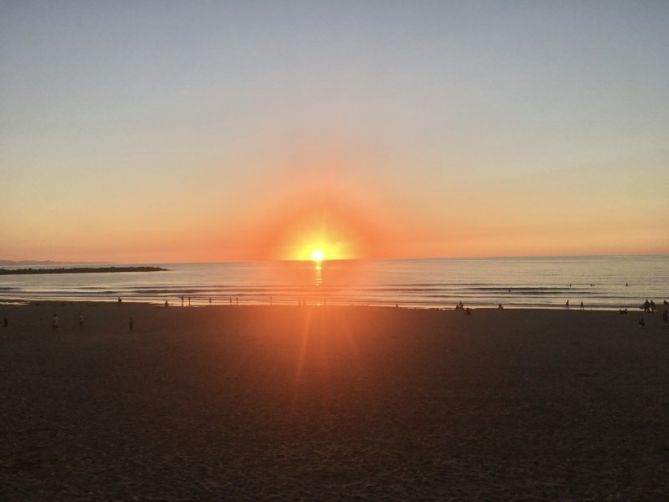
column 600, row 282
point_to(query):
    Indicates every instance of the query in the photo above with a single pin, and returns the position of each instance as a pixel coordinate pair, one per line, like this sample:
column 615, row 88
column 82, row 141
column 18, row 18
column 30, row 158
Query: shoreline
column 200, row 303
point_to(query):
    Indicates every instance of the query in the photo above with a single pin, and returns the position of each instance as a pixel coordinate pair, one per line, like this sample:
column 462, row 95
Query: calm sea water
column 600, row 282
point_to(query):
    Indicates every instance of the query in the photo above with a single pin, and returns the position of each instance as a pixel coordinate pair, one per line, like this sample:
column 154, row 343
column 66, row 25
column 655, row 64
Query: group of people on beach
column 461, row 306
column 55, row 322
column 649, row 306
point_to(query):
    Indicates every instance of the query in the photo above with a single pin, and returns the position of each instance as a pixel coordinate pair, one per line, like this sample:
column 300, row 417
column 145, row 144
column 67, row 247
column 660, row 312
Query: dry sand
column 253, row 403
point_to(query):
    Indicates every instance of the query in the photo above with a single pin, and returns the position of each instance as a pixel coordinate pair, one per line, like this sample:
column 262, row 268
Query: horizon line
column 414, row 258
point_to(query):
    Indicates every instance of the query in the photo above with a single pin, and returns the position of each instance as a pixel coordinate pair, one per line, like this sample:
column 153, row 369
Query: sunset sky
column 201, row 131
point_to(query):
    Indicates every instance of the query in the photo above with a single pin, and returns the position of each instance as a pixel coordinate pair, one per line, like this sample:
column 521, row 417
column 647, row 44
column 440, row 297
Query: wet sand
column 334, row 403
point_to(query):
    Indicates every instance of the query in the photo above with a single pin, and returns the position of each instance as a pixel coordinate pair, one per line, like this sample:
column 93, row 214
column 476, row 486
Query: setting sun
column 318, row 235
column 317, row 255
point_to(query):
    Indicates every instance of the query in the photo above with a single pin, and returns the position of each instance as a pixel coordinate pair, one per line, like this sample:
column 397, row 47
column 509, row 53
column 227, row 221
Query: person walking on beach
column 55, row 322
column 582, row 306
column 119, row 300
column 131, row 325
column 566, row 304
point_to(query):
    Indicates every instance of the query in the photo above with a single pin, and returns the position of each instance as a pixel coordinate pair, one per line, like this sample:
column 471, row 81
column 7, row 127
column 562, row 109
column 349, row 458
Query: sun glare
column 317, row 255
column 318, row 239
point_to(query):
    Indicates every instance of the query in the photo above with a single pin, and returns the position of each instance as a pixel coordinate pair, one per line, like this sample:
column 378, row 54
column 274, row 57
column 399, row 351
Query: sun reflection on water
column 318, row 274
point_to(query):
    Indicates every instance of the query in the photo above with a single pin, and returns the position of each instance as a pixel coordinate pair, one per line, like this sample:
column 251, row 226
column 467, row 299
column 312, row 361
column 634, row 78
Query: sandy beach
column 331, row 403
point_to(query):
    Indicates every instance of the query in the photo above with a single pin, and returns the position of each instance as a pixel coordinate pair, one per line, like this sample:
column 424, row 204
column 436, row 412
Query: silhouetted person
column 582, row 306
column 55, row 322
column 468, row 311
column 622, row 311
column 119, row 300
column 167, row 304
column 189, row 301
column 5, row 322
column 182, row 301
column 81, row 321
column 131, row 325
column 642, row 323
column 570, row 284
column 652, row 306
column 237, row 300
column 566, row 304
column 210, row 300
column 665, row 317
column 500, row 307
column 626, row 284
column 645, row 306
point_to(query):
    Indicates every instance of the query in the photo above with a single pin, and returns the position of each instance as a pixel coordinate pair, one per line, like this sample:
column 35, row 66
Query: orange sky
column 393, row 130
